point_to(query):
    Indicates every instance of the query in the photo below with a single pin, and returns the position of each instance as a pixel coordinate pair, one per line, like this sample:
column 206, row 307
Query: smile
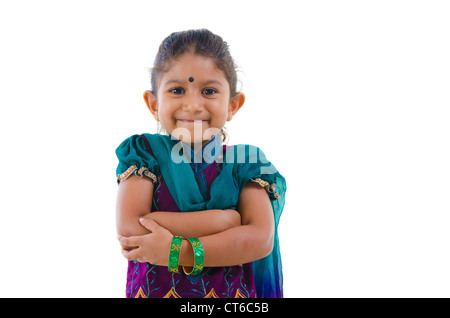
column 191, row 121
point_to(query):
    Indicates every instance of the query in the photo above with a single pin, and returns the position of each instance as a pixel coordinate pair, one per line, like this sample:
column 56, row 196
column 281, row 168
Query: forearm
column 238, row 245
column 186, row 224
column 251, row 241
column 225, row 243
column 198, row 223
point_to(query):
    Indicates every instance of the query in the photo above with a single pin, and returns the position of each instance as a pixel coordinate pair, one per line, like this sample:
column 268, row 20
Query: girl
column 220, row 239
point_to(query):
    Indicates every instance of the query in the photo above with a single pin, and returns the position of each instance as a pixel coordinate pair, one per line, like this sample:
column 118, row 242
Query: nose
column 192, row 102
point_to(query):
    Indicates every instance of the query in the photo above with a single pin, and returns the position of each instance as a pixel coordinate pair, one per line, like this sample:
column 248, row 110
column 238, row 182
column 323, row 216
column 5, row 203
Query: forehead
column 192, row 65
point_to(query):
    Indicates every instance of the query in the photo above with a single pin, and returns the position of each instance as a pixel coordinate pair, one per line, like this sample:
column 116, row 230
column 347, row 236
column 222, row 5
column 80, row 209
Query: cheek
column 224, row 114
column 221, row 111
column 167, row 124
column 163, row 112
column 164, row 109
column 219, row 121
column 165, row 118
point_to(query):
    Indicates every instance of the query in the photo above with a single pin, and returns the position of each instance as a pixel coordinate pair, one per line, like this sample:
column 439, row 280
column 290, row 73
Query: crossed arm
column 228, row 237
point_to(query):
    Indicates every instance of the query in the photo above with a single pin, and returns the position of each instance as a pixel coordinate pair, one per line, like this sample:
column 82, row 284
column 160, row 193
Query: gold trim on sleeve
column 270, row 188
column 143, row 171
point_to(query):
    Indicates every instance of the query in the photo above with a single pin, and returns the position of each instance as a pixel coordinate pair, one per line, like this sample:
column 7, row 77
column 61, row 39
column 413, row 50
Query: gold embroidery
column 172, row 294
column 261, row 182
column 239, row 294
column 143, row 171
column 126, row 173
column 151, row 176
column 269, row 187
column 211, row 294
column 140, row 294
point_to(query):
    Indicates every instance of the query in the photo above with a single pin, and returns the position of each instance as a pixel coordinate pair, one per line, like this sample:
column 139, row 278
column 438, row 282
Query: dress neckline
column 209, row 153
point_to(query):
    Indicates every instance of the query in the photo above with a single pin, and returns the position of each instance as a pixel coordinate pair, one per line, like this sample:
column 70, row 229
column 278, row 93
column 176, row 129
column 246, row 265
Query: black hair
column 202, row 42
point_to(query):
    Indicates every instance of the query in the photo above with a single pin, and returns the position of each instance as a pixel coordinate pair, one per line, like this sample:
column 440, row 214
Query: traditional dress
column 185, row 180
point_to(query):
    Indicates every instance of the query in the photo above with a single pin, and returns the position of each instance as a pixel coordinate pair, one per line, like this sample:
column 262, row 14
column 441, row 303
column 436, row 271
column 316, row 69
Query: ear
column 150, row 100
column 236, row 103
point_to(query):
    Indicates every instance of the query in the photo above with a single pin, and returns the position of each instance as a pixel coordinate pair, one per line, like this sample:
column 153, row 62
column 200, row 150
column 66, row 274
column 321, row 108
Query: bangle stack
column 174, row 256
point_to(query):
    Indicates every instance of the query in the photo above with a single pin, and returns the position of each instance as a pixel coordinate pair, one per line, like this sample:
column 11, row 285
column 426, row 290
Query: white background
column 349, row 99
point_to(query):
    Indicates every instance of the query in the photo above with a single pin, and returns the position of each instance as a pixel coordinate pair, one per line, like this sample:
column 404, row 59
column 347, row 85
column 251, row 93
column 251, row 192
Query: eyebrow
column 205, row 83
column 209, row 82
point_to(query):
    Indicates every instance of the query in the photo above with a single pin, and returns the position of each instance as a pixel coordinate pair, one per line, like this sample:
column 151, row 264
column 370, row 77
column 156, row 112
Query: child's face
column 194, row 95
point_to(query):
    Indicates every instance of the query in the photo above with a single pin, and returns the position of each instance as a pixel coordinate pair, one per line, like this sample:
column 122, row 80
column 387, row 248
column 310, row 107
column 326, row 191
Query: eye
column 209, row 91
column 177, row 90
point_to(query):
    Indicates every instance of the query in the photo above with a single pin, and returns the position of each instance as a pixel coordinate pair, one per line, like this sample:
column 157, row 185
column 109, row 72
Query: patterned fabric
column 147, row 280
column 188, row 186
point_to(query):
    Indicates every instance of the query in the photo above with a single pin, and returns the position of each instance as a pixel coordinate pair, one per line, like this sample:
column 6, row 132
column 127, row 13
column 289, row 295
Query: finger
column 149, row 224
column 132, row 254
column 131, row 241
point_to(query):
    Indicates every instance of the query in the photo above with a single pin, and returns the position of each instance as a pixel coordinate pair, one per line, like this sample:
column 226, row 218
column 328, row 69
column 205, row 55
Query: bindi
column 191, row 79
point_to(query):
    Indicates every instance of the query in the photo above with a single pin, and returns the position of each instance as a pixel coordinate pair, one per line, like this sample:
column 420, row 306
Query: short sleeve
column 268, row 177
column 253, row 166
column 135, row 158
column 270, row 187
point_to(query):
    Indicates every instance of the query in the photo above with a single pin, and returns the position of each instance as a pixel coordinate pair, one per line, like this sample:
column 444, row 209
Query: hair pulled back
column 202, row 42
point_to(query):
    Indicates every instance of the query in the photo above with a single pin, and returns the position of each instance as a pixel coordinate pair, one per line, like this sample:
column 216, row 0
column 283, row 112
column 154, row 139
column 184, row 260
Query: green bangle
column 174, row 255
column 199, row 256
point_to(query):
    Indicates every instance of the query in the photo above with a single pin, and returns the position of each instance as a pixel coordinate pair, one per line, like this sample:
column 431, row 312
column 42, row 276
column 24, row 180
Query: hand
column 152, row 248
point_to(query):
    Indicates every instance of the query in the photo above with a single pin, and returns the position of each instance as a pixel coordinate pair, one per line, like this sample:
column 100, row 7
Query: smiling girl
column 205, row 227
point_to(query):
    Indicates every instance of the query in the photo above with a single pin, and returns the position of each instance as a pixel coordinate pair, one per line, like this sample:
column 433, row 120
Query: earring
column 229, row 117
column 157, row 117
